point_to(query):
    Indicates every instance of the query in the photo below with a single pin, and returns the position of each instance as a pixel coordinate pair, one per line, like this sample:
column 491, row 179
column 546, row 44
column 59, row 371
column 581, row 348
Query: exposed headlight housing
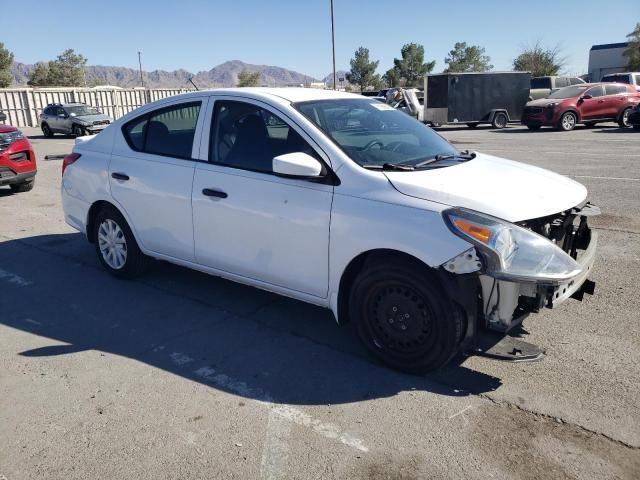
column 511, row 252
column 6, row 139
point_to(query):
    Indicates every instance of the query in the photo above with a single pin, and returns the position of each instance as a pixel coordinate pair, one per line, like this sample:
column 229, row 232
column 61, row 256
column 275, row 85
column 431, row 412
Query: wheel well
column 355, row 267
column 574, row 111
column 93, row 212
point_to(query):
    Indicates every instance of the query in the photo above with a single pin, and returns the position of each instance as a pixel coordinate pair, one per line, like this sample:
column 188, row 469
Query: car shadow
column 57, row 136
column 5, row 191
column 620, row 130
column 205, row 329
column 523, row 129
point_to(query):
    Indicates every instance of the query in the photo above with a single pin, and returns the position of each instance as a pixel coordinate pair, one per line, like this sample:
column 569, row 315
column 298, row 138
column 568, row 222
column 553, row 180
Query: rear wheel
column 500, row 120
column 46, row 130
column 404, row 317
column 23, row 187
column 116, row 246
column 624, row 118
column 568, row 121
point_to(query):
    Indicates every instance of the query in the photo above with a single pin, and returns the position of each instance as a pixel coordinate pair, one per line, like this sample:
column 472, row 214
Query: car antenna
column 194, row 85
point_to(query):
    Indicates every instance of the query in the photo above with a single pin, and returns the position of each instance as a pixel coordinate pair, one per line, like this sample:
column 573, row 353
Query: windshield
column 375, row 134
column 568, row 92
column 81, row 110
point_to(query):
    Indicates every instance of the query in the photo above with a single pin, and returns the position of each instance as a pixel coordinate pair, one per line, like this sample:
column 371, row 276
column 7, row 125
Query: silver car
column 72, row 118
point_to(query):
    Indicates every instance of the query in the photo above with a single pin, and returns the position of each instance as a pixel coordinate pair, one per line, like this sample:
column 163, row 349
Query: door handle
column 120, row 176
column 209, row 192
column 600, row 101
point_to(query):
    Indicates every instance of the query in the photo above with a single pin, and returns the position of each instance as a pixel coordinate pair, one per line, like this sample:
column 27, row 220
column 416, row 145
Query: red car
column 17, row 160
column 587, row 103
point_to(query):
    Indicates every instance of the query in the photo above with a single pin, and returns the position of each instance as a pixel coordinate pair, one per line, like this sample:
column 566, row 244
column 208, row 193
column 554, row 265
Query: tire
column 623, row 121
column 46, row 130
column 23, row 187
column 567, row 121
column 533, row 127
column 472, row 124
column 500, row 120
column 111, row 233
column 403, row 316
column 78, row 131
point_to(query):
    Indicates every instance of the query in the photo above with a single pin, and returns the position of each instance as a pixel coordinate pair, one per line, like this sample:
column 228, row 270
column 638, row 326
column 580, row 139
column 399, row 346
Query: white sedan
column 336, row 200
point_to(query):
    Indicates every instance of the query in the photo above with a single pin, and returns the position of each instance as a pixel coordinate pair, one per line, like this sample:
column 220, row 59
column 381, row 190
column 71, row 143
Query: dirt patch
column 528, row 446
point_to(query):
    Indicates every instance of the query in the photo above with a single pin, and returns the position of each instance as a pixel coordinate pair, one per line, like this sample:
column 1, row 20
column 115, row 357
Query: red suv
column 587, row 103
column 17, row 160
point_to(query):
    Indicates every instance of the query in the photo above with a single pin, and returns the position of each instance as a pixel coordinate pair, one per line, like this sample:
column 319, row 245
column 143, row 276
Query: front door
column 151, row 173
column 594, row 107
column 249, row 222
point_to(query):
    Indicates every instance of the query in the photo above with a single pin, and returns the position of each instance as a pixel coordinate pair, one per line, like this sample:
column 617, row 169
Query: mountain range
column 223, row 75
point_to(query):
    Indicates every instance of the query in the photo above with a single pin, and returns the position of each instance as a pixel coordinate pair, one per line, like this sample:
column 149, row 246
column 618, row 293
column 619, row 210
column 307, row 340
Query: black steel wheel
column 404, row 317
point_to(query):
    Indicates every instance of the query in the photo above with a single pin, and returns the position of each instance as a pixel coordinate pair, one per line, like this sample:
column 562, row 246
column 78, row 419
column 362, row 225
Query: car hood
column 92, row 118
column 503, row 188
column 543, row 102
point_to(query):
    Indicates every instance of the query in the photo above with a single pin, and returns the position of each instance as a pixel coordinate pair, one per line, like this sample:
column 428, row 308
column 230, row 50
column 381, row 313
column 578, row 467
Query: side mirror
column 297, row 165
column 62, row 115
column 586, row 97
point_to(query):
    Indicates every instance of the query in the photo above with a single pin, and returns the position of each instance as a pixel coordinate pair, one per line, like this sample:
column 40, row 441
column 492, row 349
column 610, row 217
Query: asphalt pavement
column 183, row 375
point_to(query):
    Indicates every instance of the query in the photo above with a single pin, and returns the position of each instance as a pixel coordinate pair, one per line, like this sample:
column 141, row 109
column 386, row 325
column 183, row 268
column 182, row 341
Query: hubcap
column 625, row 118
column 112, row 244
column 568, row 122
column 401, row 321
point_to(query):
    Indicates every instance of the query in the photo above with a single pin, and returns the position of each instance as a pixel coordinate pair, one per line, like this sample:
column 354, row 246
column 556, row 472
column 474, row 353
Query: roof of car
column 290, row 94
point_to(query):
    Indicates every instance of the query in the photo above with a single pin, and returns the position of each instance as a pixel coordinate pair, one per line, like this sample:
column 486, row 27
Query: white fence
column 23, row 105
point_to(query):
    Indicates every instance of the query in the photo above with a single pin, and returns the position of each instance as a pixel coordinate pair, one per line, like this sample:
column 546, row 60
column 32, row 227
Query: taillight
column 68, row 160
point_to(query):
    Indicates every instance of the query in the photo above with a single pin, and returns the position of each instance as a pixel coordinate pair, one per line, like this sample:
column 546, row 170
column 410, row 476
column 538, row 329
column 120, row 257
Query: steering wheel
column 372, row 144
column 394, row 146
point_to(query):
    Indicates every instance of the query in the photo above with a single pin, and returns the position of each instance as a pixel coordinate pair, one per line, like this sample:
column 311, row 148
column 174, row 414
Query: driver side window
column 595, row 91
column 246, row 136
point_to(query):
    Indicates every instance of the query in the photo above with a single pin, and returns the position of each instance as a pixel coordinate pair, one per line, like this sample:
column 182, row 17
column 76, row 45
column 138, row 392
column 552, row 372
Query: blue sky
column 198, row 34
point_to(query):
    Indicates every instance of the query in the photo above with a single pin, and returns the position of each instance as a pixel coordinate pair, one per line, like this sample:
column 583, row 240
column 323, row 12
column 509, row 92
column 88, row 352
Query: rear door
column 616, row 99
column 151, row 174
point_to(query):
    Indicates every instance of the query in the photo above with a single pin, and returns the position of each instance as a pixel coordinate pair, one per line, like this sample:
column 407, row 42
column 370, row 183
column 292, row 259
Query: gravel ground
column 182, row 375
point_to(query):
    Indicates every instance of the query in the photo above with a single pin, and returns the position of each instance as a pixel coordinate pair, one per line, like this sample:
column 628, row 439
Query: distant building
column 317, row 85
column 607, row 58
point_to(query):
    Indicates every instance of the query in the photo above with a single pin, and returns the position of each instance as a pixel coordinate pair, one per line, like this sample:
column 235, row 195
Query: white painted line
column 604, row 178
column 35, row 322
column 293, row 414
column 275, row 452
column 180, row 358
column 13, row 278
column 468, row 407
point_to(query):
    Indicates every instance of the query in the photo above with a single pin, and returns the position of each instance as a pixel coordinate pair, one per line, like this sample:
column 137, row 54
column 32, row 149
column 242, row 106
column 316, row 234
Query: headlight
column 8, row 138
column 552, row 105
column 512, row 252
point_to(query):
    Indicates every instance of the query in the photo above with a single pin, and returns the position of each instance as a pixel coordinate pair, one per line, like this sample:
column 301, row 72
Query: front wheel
column 623, row 122
column 568, row 121
column 46, row 130
column 116, row 246
column 404, row 317
column 78, row 131
column 23, row 187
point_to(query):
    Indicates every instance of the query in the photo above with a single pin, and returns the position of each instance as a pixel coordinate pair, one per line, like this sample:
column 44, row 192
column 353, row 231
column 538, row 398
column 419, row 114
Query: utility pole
column 333, row 46
column 140, row 65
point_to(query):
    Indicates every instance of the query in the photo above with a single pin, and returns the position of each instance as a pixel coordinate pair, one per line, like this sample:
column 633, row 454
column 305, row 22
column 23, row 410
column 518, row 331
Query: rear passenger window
column 614, row 89
column 561, row 82
column 168, row 132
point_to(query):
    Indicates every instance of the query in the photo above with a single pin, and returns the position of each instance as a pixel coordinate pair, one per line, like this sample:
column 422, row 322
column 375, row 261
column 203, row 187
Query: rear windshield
column 541, row 82
column 616, row 78
column 568, row 92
